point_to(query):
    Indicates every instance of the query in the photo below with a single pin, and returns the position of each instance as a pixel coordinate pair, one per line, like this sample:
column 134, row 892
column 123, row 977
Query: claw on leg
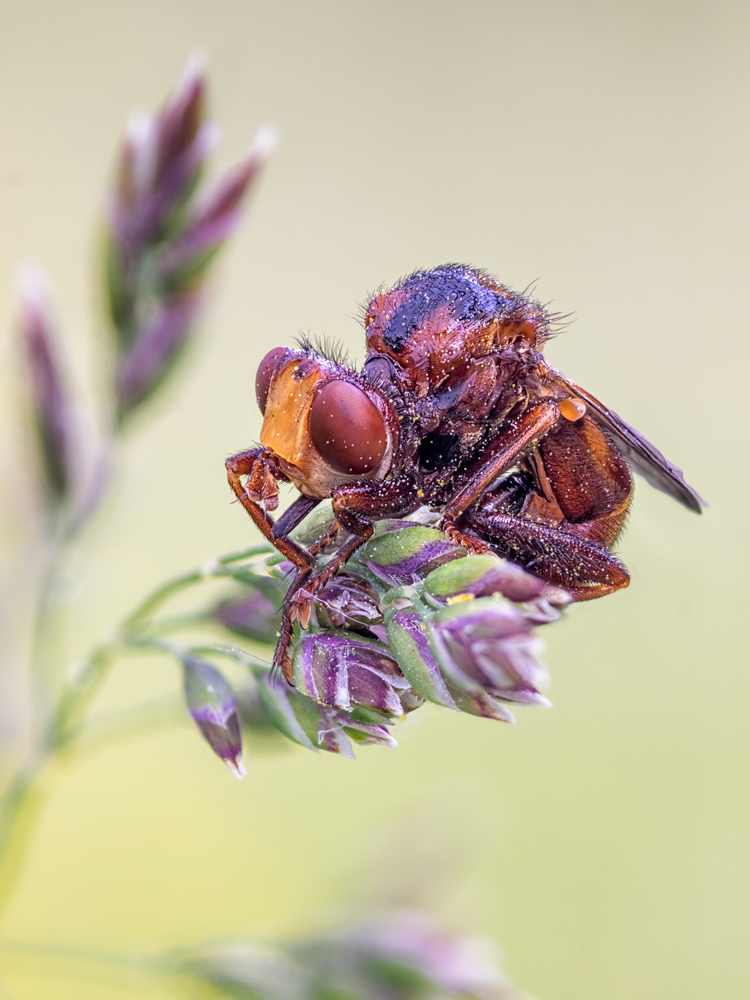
column 304, row 610
column 259, row 495
column 475, row 545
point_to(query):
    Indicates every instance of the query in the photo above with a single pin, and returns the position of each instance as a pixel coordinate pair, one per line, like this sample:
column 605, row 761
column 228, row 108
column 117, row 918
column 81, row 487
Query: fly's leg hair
column 558, row 554
column 501, row 454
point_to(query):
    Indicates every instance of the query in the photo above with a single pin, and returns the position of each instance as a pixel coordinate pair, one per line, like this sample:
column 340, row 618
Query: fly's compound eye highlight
column 347, row 428
column 268, row 367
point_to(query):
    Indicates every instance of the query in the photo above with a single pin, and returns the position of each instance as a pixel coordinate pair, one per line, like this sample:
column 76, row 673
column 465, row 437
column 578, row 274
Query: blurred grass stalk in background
column 164, row 227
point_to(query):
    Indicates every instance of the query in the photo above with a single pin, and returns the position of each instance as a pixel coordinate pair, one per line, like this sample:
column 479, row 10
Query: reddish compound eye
column 347, row 428
column 266, row 371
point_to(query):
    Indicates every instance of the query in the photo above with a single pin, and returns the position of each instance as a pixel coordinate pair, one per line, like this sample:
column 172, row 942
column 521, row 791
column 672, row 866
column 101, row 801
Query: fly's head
column 326, row 425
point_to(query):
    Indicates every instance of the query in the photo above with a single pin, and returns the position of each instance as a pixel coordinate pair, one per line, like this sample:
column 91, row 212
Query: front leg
column 257, row 497
column 353, row 506
column 260, row 495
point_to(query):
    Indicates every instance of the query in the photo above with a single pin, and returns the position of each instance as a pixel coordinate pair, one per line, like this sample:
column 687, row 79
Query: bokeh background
column 597, row 149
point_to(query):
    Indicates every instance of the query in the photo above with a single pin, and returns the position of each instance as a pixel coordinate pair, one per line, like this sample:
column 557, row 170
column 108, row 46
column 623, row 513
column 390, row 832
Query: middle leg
column 503, row 452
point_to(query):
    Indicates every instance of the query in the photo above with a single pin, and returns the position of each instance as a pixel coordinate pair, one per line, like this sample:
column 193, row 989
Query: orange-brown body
column 455, row 408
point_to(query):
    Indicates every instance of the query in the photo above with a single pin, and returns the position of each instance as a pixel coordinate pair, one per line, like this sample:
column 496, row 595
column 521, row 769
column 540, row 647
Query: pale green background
column 598, row 148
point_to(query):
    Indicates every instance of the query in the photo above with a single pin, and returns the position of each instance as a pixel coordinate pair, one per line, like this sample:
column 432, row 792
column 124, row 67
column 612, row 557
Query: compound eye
column 266, row 371
column 347, row 428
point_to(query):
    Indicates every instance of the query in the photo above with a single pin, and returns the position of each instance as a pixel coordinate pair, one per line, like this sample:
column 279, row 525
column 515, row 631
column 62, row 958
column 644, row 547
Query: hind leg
column 560, row 516
column 557, row 554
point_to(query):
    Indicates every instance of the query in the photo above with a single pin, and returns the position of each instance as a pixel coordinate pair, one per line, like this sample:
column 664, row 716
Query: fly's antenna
column 327, row 347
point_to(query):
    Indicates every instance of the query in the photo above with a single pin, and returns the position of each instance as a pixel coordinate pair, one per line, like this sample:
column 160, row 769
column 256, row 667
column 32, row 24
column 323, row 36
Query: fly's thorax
column 432, row 322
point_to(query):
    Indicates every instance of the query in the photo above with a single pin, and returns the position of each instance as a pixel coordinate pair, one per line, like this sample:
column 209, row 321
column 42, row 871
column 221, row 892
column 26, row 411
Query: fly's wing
column 638, row 452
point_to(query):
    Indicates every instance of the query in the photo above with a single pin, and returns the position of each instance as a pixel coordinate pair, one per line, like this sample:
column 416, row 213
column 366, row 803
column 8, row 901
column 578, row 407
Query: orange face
column 325, row 425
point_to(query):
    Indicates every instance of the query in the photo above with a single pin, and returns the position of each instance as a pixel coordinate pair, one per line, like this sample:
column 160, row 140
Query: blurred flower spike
column 397, row 956
column 403, row 955
column 53, row 413
column 256, row 612
column 163, row 231
column 211, row 704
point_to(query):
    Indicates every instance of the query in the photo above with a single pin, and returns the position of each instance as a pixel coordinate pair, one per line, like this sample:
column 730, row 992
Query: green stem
column 95, row 963
column 177, row 623
column 75, row 698
column 238, row 655
column 78, row 693
column 44, row 620
column 64, row 719
column 16, row 796
column 210, row 569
